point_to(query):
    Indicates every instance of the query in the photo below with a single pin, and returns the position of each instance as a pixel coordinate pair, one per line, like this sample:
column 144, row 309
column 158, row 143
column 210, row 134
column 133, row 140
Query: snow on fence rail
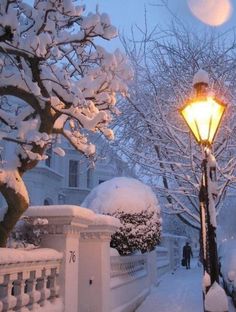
column 28, row 280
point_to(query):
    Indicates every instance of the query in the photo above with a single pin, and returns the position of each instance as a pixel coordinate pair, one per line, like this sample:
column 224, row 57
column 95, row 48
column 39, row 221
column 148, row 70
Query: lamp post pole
column 203, row 113
column 208, row 226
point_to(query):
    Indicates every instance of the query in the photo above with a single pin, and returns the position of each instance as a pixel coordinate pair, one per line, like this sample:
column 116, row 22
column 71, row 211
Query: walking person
column 187, row 254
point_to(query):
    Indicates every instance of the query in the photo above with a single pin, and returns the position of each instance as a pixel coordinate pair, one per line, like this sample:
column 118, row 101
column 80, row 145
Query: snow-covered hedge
column 136, row 206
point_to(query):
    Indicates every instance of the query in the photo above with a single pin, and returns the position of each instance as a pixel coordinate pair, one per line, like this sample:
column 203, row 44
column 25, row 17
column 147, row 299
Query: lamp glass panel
column 188, row 115
column 203, row 118
column 217, row 112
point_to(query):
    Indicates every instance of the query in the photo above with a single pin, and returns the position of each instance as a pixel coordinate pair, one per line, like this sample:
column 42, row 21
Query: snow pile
column 137, row 208
column 216, row 299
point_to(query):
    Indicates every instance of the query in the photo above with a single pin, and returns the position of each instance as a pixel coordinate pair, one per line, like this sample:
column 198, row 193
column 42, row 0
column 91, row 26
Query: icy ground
column 177, row 292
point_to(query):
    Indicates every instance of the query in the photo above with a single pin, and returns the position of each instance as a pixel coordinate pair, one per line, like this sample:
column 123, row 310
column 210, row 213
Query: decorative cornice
column 62, row 229
column 95, row 236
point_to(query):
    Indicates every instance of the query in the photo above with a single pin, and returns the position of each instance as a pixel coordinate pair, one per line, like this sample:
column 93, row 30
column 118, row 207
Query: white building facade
column 69, row 179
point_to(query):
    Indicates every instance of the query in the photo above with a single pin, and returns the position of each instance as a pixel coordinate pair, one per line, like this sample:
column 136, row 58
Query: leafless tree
column 152, row 134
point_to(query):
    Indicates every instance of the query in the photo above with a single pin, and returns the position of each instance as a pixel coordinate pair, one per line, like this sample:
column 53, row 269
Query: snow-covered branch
column 56, row 78
column 152, row 133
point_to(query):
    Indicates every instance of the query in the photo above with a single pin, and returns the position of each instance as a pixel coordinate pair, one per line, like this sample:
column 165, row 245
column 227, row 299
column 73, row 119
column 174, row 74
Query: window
column 48, row 161
column 73, row 173
column 90, row 178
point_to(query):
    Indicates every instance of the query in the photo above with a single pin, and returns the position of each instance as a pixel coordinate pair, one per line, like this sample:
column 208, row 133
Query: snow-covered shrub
column 136, row 206
column 139, row 231
column 27, row 233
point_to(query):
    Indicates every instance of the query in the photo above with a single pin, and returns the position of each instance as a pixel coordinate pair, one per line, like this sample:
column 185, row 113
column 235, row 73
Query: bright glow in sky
column 211, row 12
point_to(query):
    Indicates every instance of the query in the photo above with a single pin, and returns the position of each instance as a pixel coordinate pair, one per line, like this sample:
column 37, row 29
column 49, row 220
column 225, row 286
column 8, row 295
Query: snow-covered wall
column 82, row 239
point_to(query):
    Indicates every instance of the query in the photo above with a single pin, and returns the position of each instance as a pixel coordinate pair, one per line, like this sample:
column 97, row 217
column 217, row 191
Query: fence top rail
column 128, row 259
column 161, row 248
column 11, row 255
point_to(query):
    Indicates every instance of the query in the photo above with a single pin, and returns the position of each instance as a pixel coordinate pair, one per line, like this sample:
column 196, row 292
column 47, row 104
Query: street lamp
column 203, row 115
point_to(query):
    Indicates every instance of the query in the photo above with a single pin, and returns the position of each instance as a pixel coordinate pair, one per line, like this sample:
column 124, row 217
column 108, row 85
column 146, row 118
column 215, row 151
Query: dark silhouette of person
column 187, row 254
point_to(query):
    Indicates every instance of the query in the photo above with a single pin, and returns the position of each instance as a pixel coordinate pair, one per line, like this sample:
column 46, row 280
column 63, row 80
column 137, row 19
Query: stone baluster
column 52, row 284
column 36, row 293
column 42, row 287
column 19, row 291
column 9, row 301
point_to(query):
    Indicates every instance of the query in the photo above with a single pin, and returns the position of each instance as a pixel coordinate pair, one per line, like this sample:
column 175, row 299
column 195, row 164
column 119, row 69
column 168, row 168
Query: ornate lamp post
column 203, row 115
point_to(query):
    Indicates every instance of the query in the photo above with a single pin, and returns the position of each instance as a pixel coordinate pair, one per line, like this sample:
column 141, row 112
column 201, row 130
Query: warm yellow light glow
column 203, row 118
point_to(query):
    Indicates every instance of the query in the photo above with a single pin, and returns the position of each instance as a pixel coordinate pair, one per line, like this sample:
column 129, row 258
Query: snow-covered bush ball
column 136, row 206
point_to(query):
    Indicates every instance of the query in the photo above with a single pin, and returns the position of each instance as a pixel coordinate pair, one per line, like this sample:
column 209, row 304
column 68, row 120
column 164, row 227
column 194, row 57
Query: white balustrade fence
column 90, row 279
column 28, row 280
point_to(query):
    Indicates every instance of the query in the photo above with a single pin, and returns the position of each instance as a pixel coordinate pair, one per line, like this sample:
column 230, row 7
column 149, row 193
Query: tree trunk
column 17, row 205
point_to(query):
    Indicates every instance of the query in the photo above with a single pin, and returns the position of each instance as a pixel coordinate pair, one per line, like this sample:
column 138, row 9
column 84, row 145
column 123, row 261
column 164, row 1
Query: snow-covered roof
column 121, row 194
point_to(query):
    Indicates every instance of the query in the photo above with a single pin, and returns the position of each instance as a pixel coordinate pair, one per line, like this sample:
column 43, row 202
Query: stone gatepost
column 65, row 222
column 94, row 265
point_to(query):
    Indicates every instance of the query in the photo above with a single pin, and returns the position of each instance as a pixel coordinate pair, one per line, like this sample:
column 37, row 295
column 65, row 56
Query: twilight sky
column 125, row 13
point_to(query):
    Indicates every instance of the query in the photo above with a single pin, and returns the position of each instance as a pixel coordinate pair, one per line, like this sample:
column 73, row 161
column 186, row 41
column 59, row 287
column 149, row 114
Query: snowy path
column 178, row 292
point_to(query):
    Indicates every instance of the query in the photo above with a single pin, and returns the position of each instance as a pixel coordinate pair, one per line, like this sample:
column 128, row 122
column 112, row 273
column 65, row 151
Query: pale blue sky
column 125, row 13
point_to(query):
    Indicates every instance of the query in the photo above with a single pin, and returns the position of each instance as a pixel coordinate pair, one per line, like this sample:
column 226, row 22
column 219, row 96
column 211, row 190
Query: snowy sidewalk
column 177, row 292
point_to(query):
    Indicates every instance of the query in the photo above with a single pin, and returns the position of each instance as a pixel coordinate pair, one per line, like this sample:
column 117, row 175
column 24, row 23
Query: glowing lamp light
column 203, row 116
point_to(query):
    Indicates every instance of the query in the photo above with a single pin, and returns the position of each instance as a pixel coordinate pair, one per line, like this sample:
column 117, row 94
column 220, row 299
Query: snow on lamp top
column 201, row 77
column 121, row 194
